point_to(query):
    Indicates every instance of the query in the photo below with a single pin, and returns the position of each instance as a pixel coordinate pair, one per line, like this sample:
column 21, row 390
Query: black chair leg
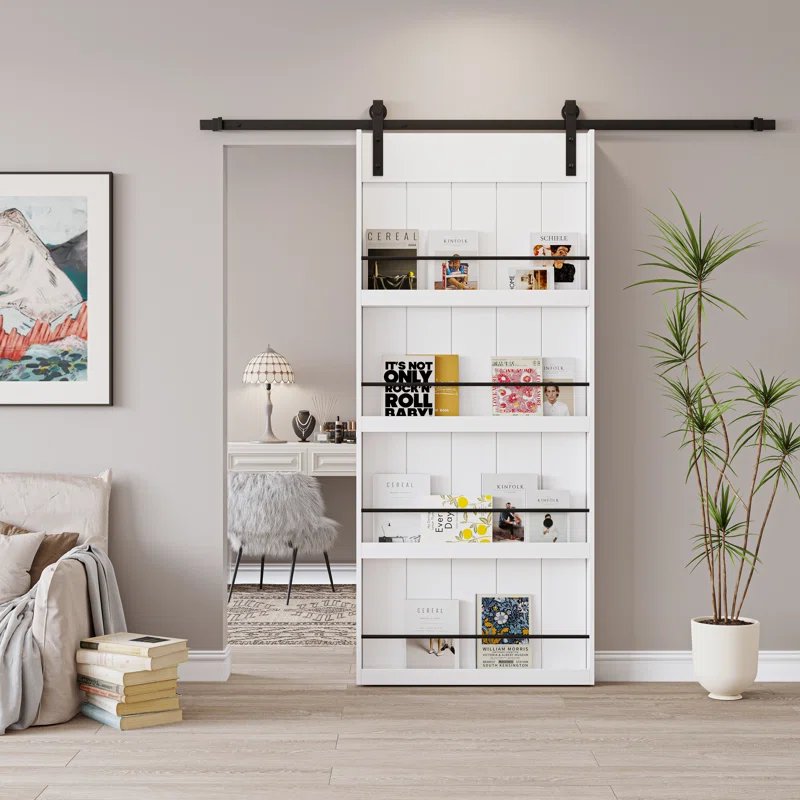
column 235, row 572
column 291, row 574
column 261, row 579
column 330, row 574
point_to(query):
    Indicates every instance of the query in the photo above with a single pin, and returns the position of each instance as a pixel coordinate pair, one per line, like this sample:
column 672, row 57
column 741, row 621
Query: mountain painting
column 46, row 282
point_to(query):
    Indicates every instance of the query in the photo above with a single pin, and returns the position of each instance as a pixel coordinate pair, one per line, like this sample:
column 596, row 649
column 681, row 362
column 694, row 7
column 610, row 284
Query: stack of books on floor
column 130, row 681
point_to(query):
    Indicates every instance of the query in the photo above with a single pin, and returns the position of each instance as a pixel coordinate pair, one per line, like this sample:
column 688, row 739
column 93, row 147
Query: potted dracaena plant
column 740, row 448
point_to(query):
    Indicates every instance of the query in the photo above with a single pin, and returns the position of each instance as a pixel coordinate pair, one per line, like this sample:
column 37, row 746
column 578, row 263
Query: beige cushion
column 16, row 557
column 58, row 504
column 53, row 546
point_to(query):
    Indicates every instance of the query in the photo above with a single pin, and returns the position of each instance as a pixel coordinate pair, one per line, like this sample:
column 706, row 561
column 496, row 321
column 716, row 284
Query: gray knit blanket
column 21, row 673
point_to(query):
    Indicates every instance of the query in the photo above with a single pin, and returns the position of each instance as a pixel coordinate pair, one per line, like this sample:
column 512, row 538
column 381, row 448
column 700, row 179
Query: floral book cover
column 513, row 395
column 501, row 621
column 462, row 519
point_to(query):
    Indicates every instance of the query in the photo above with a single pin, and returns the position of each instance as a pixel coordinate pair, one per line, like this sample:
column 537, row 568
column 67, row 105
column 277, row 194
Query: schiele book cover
column 391, row 263
column 502, row 620
column 512, row 394
column 560, row 246
column 408, row 392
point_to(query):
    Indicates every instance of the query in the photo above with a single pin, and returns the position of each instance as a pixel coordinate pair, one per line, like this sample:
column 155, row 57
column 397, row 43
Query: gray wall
column 120, row 86
column 290, row 247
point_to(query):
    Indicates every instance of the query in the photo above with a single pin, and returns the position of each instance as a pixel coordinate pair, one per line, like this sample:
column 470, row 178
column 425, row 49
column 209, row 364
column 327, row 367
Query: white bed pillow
column 16, row 556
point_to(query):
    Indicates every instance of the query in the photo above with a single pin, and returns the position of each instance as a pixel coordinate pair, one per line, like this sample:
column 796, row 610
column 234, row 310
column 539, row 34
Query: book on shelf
column 499, row 617
column 510, row 399
column 133, row 721
column 391, row 274
column 461, row 519
column 147, row 691
column 558, row 400
column 435, row 621
column 398, row 490
column 135, row 644
column 124, row 677
column 123, row 709
column 403, row 399
column 566, row 274
column 510, row 491
column 124, row 663
column 452, row 249
column 538, row 278
column 549, row 525
column 445, row 398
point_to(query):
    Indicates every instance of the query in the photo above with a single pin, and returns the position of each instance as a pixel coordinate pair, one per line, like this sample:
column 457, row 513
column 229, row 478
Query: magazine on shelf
column 499, row 618
column 435, row 621
column 510, row 399
column 558, row 400
column 549, row 525
column 566, row 274
column 445, row 397
column 537, row 277
column 510, row 491
column 457, row 521
column 398, row 490
column 404, row 399
column 452, row 249
column 391, row 274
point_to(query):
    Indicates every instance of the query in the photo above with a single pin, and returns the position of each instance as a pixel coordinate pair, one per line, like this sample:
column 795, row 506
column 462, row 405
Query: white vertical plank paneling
column 383, row 334
column 470, row 577
column 475, row 208
column 380, row 453
column 473, row 453
column 519, row 452
column 563, row 612
column 431, row 453
column 519, row 331
column 383, row 584
column 564, row 209
column 524, row 576
column 564, row 467
column 564, row 336
column 428, row 207
column 475, row 341
column 519, row 214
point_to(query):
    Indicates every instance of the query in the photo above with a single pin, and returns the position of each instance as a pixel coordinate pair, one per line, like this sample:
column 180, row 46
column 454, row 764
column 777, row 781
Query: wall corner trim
column 676, row 665
column 206, row 665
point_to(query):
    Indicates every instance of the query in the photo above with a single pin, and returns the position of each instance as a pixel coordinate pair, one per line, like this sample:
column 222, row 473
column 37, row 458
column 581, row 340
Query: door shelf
column 491, row 298
column 492, row 550
column 484, row 424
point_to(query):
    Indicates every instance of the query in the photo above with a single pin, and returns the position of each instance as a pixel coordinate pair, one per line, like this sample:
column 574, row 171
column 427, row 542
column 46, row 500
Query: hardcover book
column 138, row 707
column 407, row 393
column 445, row 397
column 549, row 525
column 134, row 644
column 499, row 619
column 398, row 490
column 169, row 690
column 566, row 274
column 539, row 277
column 386, row 267
column 127, row 677
column 132, row 722
column 510, row 491
column 130, row 663
column 153, row 682
column 462, row 519
column 435, row 621
column 453, row 249
column 521, row 399
column 558, row 400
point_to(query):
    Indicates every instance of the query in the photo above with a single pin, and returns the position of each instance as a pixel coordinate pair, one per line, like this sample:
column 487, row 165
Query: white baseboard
column 303, row 573
column 206, row 665
column 676, row 665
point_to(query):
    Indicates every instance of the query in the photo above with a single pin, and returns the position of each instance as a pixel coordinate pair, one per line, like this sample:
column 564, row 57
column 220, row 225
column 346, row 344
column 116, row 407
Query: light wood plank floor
column 291, row 724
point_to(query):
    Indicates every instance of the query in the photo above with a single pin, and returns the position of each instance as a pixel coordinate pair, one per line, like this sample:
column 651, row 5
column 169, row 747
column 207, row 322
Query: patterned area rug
column 314, row 617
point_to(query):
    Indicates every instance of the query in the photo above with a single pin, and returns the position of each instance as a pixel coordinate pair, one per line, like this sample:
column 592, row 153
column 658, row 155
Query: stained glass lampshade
column 267, row 368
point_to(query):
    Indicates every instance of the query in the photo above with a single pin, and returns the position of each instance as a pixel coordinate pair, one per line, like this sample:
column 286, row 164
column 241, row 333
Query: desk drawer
column 330, row 462
column 264, row 461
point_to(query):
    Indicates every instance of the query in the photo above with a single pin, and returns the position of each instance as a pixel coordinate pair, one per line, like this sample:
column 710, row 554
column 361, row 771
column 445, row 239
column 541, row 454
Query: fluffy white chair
column 274, row 514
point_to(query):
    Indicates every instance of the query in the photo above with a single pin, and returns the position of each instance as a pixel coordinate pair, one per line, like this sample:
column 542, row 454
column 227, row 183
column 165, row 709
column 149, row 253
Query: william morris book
column 386, row 267
column 499, row 619
column 134, row 644
column 510, row 492
column 566, row 274
column 408, row 392
column 558, row 400
column 508, row 398
column 434, row 621
column 461, row 519
column 453, row 249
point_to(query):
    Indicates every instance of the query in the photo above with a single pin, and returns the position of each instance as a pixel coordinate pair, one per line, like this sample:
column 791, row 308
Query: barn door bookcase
column 504, row 186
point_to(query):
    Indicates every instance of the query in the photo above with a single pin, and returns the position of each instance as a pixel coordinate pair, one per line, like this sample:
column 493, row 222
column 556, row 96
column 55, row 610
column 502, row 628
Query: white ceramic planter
column 725, row 657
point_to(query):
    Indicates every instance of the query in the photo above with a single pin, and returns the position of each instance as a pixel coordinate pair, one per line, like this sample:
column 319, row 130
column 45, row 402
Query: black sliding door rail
column 570, row 123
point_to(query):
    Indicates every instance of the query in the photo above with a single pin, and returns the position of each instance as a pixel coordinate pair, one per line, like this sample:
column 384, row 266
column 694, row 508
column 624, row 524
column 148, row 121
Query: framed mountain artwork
column 55, row 288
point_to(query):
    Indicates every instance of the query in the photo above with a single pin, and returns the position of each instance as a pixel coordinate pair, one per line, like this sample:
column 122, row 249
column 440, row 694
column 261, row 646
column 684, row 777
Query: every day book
column 408, row 393
column 134, row 644
column 566, row 274
column 394, row 273
column 398, row 490
column 453, row 249
column 558, row 400
column 460, row 520
column 434, row 620
column 126, row 678
column 508, row 398
column 132, row 722
column 500, row 617
column 131, row 663
column 510, row 491
column 169, row 690
column 549, row 525
column 139, row 707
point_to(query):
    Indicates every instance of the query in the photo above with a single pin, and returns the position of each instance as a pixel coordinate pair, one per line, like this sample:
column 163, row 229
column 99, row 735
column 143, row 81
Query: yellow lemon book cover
column 461, row 519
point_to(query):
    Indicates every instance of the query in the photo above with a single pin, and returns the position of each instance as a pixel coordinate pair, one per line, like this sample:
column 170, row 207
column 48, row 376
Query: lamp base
column 273, row 440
